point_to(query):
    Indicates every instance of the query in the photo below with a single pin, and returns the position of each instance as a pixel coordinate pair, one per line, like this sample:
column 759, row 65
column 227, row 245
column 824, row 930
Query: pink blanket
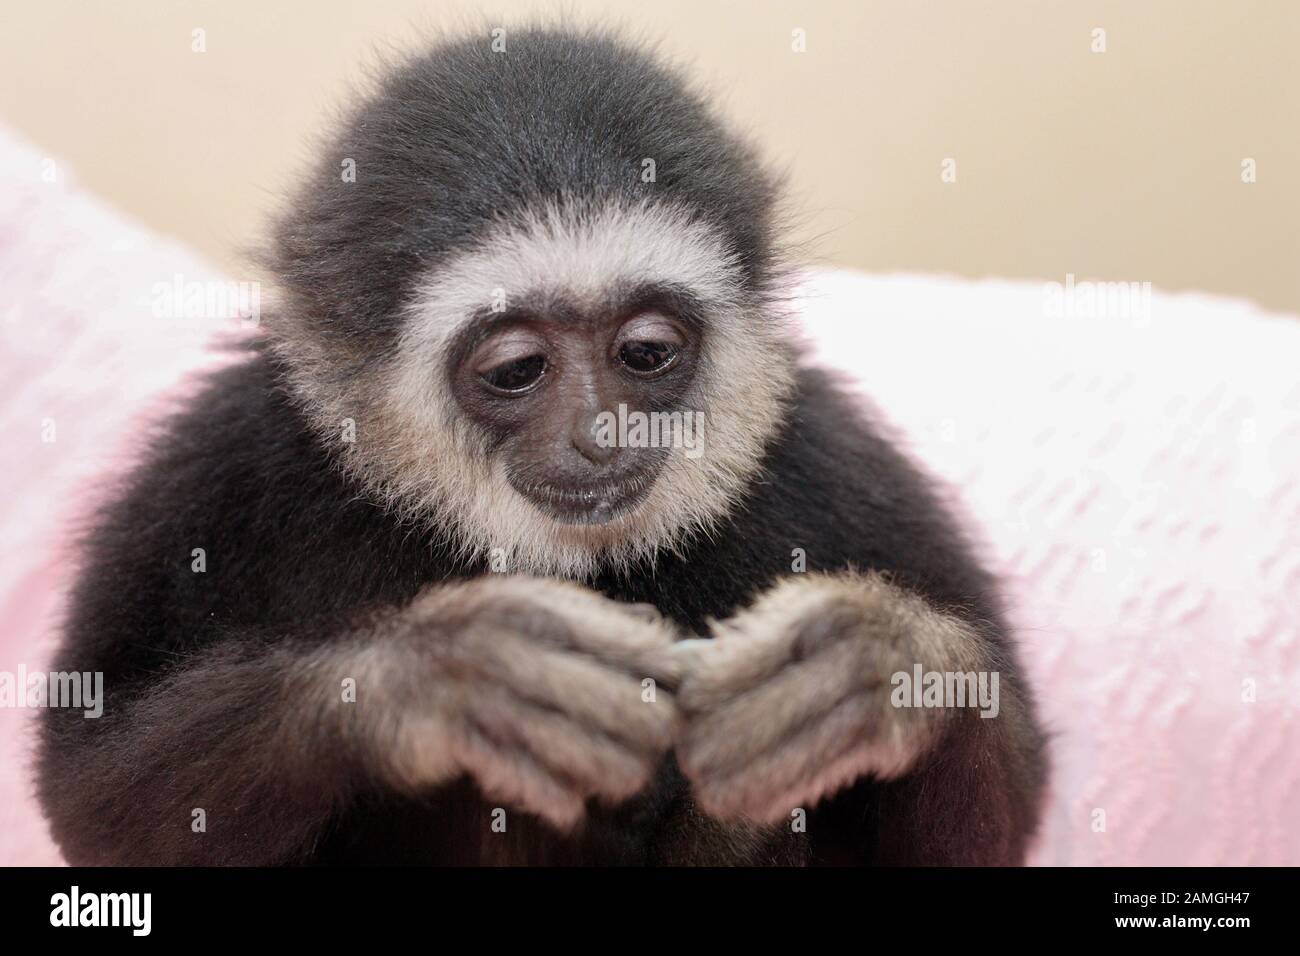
column 1136, row 481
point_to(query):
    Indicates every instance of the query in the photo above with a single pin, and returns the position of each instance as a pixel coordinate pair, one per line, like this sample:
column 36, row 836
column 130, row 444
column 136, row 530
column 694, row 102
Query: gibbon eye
column 516, row 376
column 646, row 357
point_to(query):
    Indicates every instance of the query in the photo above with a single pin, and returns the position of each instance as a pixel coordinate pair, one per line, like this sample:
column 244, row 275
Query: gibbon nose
column 592, row 442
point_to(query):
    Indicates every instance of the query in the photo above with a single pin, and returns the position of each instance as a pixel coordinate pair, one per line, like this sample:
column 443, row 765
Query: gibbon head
column 541, row 279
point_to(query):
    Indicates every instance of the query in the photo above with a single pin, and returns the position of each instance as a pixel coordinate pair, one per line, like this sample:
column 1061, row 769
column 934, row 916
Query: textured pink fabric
column 83, row 354
column 1137, row 484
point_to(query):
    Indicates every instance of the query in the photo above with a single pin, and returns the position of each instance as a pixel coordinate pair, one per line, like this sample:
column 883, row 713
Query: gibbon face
column 503, row 295
column 541, row 383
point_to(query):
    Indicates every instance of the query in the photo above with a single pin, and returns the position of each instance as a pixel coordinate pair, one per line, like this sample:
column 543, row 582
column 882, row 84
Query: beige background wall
column 1123, row 165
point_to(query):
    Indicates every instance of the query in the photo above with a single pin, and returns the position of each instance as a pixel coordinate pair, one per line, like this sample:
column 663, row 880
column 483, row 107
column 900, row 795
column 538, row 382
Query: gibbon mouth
column 586, row 504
